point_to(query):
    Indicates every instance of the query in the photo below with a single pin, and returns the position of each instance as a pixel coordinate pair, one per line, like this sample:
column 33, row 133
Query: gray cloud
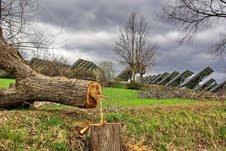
column 90, row 27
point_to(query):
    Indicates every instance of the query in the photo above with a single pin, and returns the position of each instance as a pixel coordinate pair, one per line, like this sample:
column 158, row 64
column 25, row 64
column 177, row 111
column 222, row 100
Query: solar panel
column 157, row 80
column 150, row 79
column 76, row 63
column 206, row 84
column 146, row 78
column 125, row 75
column 154, row 78
column 165, row 80
column 32, row 61
column 40, row 64
column 219, row 87
column 211, row 86
column 179, row 78
column 84, row 64
column 192, row 82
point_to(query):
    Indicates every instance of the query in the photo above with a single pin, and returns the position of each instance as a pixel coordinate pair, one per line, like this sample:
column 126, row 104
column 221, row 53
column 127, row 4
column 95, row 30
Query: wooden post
column 105, row 137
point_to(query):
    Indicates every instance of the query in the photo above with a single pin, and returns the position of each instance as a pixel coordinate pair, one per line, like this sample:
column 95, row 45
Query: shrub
column 134, row 86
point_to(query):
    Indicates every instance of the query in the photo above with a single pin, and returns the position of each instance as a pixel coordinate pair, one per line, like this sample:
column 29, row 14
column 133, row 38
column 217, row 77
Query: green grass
column 4, row 83
column 147, row 124
column 125, row 97
column 174, row 127
column 36, row 130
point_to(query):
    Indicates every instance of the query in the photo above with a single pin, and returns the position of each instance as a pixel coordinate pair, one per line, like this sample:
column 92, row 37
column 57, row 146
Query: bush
column 111, row 84
column 162, row 92
column 134, row 86
column 83, row 74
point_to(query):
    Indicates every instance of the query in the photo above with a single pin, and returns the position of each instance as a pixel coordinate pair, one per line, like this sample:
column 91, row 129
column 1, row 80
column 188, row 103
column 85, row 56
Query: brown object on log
column 105, row 137
column 31, row 86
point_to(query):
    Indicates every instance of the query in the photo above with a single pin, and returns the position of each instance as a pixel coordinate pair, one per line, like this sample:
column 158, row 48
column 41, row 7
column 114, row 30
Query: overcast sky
column 90, row 27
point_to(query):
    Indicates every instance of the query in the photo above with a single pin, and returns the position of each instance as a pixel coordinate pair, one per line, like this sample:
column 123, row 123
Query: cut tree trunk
column 105, row 137
column 31, row 86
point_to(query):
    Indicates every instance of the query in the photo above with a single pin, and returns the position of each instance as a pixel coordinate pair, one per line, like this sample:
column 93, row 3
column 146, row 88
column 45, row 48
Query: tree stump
column 105, row 137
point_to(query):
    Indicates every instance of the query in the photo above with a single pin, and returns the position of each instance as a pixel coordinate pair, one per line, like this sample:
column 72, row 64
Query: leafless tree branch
column 192, row 16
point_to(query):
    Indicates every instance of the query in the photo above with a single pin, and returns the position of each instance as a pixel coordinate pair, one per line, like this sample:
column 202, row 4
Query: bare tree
column 108, row 71
column 192, row 16
column 133, row 47
column 16, row 15
column 19, row 26
column 30, row 85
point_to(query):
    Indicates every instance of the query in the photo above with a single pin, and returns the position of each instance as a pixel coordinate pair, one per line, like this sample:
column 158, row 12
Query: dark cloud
column 94, row 15
column 90, row 28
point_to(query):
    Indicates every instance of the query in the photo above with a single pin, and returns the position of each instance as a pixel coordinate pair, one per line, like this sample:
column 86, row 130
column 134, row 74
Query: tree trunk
column 133, row 76
column 31, row 86
column 141, row 78
column 105, row 137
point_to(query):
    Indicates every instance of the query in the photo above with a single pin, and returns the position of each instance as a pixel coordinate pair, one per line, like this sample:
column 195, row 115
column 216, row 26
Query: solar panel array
column 84, row 64
column 168, row 78
column 206, row 84
column 37, row 63
column 192, row 82
column 125, row 75
column 174, row 79
column 179, row 78
column 147, row 78
column 153, row 79
column 211, row 86
column 157, row 80
column 150, row 79
column 219, row 87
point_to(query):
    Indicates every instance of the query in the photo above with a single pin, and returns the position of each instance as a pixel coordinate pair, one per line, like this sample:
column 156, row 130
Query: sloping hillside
column 147, row 124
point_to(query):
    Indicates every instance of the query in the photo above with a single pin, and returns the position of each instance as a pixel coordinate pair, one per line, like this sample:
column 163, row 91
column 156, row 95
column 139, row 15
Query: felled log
column 31, row 86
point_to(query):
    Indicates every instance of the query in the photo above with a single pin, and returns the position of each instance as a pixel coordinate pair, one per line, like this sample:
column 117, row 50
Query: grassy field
column 129, row 98
column 4, row 83
column 147, row 124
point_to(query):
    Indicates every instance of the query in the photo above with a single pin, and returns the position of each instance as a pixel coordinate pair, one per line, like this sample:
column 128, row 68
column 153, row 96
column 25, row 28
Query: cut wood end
column 94, row 94
column 84, row 130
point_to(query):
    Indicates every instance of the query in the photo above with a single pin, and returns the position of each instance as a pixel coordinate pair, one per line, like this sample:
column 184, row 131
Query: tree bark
column 105, row 137
column 141, row 78
column 31, row 86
